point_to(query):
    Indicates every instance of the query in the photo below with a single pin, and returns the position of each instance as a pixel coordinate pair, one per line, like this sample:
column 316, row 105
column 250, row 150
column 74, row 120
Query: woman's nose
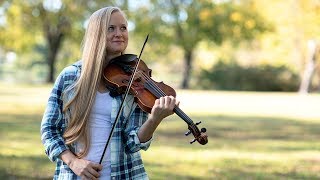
column 118, row 33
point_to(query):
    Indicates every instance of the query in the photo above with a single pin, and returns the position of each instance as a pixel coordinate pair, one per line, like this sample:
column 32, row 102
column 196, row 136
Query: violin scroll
column 199, row 136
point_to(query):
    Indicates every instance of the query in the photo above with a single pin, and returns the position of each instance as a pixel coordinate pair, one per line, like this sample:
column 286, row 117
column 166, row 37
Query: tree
column 295, row 40
column 43, row 26
column 313, row 51
column 186, row 23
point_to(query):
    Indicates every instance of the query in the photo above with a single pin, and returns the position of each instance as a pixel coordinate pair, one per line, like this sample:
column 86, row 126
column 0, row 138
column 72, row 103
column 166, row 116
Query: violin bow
column 123, row 100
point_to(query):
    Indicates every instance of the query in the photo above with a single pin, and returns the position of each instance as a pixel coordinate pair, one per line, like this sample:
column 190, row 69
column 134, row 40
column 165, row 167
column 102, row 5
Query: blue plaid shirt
column 126, row 162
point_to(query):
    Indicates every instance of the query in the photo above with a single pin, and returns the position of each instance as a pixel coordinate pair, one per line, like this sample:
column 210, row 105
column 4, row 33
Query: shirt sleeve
column 53, row 122
column 132, row 142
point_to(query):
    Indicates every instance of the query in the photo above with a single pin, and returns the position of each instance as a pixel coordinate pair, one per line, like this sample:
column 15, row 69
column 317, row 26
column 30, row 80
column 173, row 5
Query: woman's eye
column 124, row 28
column 111, row 29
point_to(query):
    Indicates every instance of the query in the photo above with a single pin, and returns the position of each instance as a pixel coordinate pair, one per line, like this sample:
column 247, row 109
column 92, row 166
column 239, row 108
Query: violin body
column 117, row 75
column 145, row 90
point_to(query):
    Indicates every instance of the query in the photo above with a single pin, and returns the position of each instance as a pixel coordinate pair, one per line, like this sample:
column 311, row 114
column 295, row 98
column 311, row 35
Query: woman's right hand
column 85, row 169
column 81, row 167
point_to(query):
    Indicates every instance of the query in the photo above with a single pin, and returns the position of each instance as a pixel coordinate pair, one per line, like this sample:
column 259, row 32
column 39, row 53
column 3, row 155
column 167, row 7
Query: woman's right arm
column 53, row 121
column 53, row 125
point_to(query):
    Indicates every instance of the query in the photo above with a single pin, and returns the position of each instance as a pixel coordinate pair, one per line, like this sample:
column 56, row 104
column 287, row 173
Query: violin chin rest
column 124, row 58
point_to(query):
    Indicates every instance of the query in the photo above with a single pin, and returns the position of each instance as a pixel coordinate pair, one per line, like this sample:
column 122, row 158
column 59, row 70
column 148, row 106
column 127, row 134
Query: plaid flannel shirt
column 126, row 162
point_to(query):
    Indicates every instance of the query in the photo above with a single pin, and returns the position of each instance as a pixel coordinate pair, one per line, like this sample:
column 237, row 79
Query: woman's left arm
column 140, row 128
column 162, row 108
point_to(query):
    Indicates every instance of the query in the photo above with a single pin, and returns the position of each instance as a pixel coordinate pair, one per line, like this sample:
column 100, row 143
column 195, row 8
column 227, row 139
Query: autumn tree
column 186, row 23
column 295, row 40
column 41, row 26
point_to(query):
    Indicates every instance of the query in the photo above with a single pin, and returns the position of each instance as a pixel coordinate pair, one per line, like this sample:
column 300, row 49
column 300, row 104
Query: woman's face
column 117, row 38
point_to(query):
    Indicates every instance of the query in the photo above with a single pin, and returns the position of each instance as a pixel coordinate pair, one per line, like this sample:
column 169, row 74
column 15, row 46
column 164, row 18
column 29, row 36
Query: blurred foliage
column 254, row 32
column 232, row 76
column 186, row 23
column 53, row 29
column 296, row 22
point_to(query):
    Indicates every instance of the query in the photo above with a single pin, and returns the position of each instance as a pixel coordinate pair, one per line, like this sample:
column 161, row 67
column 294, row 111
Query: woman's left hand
column 163, row 107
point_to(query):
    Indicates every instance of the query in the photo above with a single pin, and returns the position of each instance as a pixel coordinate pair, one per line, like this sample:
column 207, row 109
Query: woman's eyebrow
column 116, row 25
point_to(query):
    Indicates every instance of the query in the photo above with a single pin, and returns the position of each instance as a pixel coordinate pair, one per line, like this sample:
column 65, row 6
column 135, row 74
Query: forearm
column 147, row 129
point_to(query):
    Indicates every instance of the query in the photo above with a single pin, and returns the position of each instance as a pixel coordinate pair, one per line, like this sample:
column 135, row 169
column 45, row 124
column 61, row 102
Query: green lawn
column 251, row 136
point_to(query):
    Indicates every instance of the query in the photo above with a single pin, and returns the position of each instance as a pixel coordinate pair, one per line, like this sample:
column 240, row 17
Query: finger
column 167, row 101
column 88, row 175
column 177, row 103
column 172, row 102
column 157, row 102
column 93, row 172
column 87, row 178
column 97, row 167
column 161, row 101
column 84, row 177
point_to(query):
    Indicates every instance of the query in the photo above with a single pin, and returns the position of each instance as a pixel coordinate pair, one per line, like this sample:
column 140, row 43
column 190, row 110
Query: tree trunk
column 187, row 69
column 54, row 45
column 310, row 68
column 54, row 35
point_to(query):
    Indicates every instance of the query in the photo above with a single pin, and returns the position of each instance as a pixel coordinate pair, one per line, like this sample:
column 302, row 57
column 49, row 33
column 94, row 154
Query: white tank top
column 100, row 127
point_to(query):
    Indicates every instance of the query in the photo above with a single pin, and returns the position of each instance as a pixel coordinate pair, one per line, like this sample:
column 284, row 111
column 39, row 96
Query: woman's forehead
column 117, row 18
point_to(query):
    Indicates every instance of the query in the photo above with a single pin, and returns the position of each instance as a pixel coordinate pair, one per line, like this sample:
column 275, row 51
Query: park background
column 247, row 69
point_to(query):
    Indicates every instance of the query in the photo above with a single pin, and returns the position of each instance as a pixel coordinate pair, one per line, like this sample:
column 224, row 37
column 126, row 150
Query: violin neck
column 155, row 90
column 183, row 115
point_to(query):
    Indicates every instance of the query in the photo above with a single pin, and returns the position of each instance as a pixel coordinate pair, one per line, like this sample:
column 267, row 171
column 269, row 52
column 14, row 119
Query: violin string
column 161, row 93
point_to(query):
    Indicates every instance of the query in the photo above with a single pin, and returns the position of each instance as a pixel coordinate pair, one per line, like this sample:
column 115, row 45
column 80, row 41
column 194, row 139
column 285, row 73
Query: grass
column 251, row 136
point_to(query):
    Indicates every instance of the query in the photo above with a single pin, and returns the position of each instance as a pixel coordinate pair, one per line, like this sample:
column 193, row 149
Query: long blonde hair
column 93, row 61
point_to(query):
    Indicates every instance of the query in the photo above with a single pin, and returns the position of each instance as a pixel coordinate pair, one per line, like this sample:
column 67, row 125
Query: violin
column 145, row 90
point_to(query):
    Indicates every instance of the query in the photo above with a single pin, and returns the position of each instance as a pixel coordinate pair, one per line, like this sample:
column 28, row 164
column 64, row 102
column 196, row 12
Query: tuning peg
column 198, row 123
column 203, row 130
column 194, row 140
column 187, row 133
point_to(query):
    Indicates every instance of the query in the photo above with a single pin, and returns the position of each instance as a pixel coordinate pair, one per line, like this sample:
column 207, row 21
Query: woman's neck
column 102, row 88
column 111, row 56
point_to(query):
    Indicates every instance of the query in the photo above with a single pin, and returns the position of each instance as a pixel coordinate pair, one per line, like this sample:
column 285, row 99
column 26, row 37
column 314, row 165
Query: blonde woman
column 80, row 111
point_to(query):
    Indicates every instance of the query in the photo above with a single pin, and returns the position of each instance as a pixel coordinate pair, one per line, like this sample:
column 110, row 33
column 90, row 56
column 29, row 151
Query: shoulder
column 68, row 75
column 71, row 72
column 72, row 69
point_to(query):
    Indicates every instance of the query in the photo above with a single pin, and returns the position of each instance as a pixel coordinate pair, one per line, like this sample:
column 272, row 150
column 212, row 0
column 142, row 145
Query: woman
column 80, row 111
